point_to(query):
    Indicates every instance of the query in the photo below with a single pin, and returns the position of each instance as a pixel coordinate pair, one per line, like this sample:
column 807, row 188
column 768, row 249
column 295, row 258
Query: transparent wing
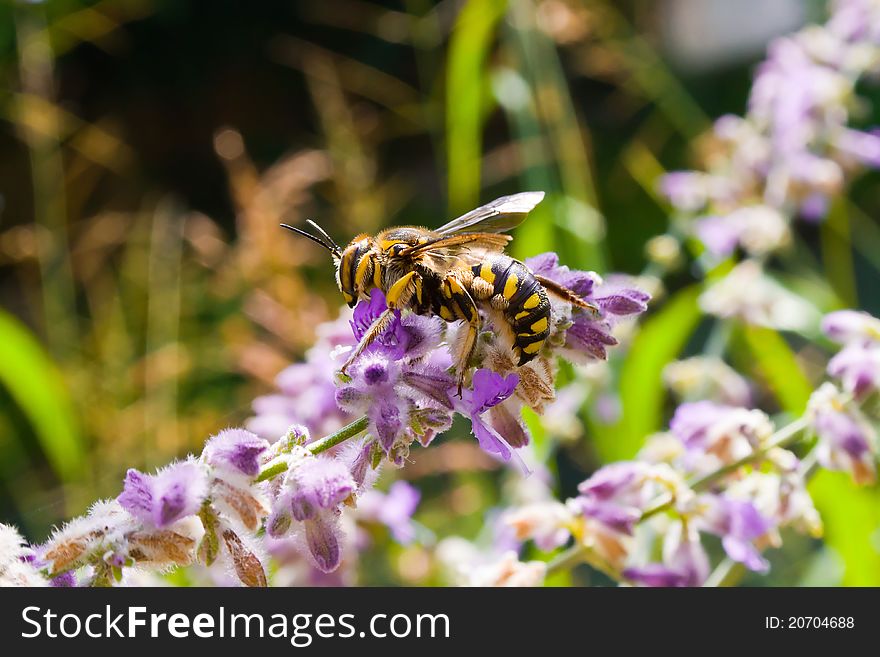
column 499, row 216
column 458, row 243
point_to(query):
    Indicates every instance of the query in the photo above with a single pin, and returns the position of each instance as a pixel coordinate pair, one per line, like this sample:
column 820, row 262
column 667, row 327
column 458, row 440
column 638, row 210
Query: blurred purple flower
column 846, row 440
column 845, row 326
column 714, row 434
column 740, row 525
column 393, row 509
column 685, row 562
column 686, row 190
column 858, row 367
column 616, row 494
column 793, row 150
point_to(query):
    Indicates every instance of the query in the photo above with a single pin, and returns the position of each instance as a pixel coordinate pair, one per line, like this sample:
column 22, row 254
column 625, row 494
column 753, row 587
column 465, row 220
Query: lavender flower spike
column 174, row 492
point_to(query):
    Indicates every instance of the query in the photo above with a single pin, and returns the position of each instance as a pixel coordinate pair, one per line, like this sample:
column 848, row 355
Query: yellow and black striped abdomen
column 525, row 304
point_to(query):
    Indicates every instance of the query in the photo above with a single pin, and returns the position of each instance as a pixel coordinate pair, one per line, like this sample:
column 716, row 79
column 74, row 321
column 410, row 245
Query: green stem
column 578, row 554
column 275, row 468
column 727, row 573
column 567, row 559
column 271, row 471
column 346, row 432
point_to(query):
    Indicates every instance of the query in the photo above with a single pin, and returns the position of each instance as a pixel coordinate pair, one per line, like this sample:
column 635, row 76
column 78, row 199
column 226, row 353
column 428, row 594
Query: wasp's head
column 357, row 269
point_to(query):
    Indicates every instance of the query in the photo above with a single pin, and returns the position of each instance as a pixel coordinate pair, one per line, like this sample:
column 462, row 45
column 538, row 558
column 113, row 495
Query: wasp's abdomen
column 524, row 301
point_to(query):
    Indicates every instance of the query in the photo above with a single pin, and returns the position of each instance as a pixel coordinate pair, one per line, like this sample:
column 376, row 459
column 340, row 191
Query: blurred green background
column 149, row 149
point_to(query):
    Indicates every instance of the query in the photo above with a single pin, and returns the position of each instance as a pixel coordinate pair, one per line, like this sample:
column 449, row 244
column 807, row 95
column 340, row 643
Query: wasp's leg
column 369, row 337
column 463, row 307
column 565, row 294
column 404, row 289
column 400, row 294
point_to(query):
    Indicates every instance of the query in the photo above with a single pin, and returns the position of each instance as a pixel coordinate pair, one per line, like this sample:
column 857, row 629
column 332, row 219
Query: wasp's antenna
column 323, row 233
column 331, row 247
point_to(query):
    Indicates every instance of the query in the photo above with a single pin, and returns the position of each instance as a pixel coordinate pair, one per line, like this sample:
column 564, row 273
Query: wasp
column 453, row 273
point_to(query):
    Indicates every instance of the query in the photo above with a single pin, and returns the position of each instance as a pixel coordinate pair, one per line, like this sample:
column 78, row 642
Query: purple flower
column 174, row 492
column 396, row 382
column 411, row 335
column 617, row 300
column 64, row 580
column 393, row 509
column 793, row 150
column 579, row 282
column 685, row 562
column 864, row 147
column 489, row 389
column 589, row 337
column 311, row 494
column 589, row 334
column 714, row 435
column 657, row 575
column 318, row 483
column 389, row 417
column 323, row 541
column 686, row 190
column 718, row 233
column 846, row 440
column 858, row 367
column 235, row 449
column 845, row 326
column 739, row 524
column 616, row 494
column 367, row 312
column 612, row 501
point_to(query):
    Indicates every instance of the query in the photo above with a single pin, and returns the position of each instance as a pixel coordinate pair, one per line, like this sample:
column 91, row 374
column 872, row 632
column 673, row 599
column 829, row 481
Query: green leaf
column 837, row 253
column 852, row 524
column 36, row 385
column 467, row 84
column 776, row 363
column 658, row 342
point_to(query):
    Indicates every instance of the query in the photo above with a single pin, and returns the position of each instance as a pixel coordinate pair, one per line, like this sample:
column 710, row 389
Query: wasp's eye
column 397, row 249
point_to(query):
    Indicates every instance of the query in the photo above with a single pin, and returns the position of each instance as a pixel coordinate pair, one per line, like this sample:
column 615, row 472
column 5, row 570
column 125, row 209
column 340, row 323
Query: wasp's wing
column 460, row 243
column 499, row 216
